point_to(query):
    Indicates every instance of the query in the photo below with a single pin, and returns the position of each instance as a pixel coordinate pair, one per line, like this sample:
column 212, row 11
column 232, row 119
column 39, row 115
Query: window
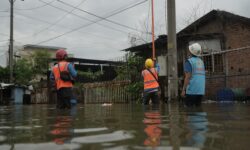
column 213, row 62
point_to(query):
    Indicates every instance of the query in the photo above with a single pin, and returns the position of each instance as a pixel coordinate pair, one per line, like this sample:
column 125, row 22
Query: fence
column 228, row 74
column 106, row 92
column 40, row 96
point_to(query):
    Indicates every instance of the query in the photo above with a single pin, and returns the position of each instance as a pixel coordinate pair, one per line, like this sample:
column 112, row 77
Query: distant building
column 28, row 50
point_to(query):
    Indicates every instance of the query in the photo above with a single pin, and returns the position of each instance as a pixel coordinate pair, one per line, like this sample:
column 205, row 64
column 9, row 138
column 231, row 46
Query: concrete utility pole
column 11, row 41
column 172, row 52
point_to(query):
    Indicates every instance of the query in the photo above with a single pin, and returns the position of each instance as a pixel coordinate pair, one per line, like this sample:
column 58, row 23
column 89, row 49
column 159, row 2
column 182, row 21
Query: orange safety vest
column 149, row 80
column 59, row 82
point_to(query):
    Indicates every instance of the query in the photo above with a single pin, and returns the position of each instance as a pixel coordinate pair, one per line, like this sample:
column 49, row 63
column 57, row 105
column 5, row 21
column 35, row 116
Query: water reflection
column 101, row 138
column 63, row 126
column 152, row 120
column 62, row 129
column 196, row 123
column 123, row 127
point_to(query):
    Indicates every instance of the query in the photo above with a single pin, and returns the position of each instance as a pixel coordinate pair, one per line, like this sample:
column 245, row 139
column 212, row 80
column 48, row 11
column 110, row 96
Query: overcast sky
column 58, row 23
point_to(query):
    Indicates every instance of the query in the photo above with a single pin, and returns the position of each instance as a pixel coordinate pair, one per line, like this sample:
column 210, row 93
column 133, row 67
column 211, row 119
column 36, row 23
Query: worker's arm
column 51, row 76
column 186, row 82
column 187, row 77
column 72, row 70
column 52, row 79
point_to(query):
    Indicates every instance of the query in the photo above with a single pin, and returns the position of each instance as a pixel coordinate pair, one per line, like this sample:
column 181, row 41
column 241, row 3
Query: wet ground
column 120, row 127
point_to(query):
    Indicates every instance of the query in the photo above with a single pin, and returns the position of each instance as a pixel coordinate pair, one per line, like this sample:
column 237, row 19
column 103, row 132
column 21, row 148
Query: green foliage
column 131, row 70
column 4, row 74
column 135, row 89
column 41, row 62
column 89, row 75
column 23, row 71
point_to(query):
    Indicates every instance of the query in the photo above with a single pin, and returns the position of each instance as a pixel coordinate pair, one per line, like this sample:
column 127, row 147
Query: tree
column 131, row 70
column 4, row 74
column 41, row 62
column 23, row 71
column 199, row 9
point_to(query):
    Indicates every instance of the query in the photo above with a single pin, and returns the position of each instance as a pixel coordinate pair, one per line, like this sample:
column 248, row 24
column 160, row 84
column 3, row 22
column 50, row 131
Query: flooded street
column 125, row 126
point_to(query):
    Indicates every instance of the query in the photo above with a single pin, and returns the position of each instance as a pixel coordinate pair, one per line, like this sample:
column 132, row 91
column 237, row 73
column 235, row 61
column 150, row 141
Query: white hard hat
column 195, row 49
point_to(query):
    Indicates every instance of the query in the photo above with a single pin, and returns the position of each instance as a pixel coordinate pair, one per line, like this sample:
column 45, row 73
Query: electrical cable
column 105, row 18
column 103, row 25
column 38, row 7
column 46, row 22
column 61, row 18
column 69, row 12
column 78, row 28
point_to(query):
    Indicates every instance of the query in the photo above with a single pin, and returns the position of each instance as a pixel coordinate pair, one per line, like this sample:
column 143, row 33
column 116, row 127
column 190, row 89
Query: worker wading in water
column 194, row 82
column 62, row 75
column 151, row 85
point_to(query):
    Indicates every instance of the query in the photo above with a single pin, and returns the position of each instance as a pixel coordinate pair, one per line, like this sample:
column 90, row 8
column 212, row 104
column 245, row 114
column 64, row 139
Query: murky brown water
column 125, row 126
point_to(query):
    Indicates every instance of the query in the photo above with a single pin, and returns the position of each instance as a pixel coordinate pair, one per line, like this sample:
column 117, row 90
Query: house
column 225, row 39
column 28, row 50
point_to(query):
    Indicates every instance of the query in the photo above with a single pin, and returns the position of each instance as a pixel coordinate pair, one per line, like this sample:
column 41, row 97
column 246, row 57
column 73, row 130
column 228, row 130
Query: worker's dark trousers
column 193, row 100
column 64, row 96
column 152, row 95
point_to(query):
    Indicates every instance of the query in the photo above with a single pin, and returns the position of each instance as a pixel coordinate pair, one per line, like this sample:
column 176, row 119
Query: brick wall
column 236, row 35
column 210, row 27
column 213, row 85
column 238, row 62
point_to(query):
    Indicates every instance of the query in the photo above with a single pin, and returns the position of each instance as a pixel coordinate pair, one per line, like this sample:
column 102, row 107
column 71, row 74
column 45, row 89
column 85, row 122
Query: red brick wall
column 213, row 85
column 210, row 27
column 241, row 81
column 238, row 62
column 237, row 35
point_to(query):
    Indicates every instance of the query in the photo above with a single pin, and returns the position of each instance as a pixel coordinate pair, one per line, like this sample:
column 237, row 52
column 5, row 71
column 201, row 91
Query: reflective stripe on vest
column 196, row 84
column 149, row 80
column 59, row 82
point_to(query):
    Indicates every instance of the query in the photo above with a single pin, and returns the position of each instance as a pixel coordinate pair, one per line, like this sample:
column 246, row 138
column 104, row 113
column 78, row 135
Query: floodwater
column 224, row 126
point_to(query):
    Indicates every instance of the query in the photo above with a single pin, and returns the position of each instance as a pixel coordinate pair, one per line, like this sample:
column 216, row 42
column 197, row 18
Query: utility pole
column 11, row 41
column 172, row 52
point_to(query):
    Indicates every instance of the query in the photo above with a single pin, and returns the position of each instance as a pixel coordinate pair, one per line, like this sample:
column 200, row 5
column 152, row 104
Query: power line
column 105, row 18
column 78, row 28
column 102, row 25
column 38, row 7
column 61, row 18
column 46, row 22
column 33, row 18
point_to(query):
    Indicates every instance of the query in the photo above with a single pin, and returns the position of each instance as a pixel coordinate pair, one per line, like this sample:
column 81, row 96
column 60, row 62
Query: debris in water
column 107, row 104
